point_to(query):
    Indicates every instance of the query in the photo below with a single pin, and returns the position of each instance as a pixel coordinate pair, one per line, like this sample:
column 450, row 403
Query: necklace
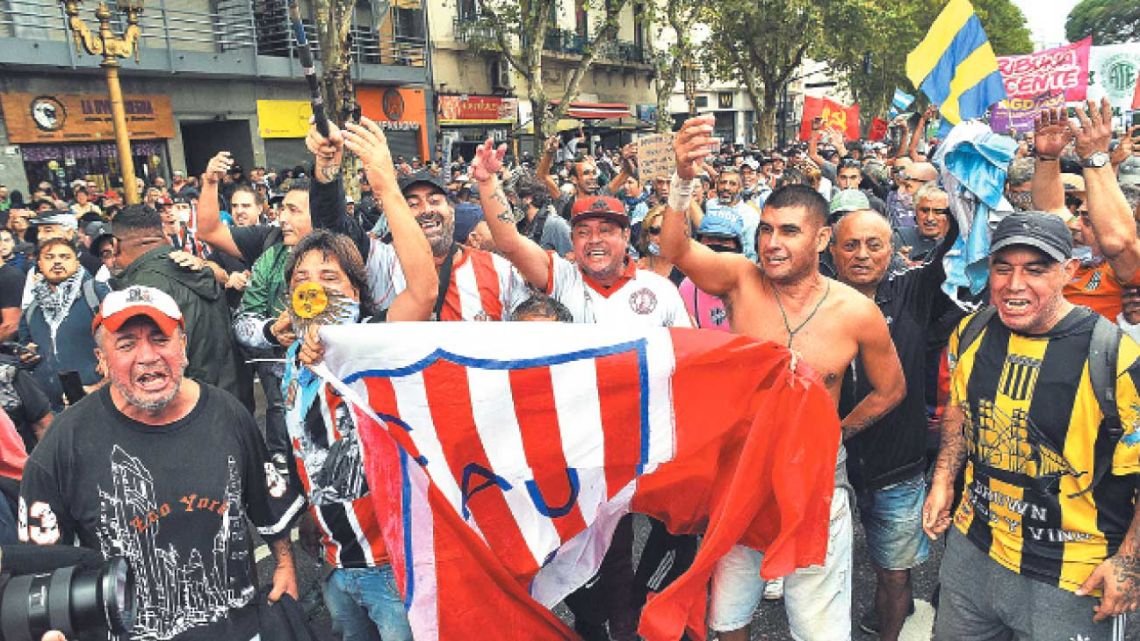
column 783, row 314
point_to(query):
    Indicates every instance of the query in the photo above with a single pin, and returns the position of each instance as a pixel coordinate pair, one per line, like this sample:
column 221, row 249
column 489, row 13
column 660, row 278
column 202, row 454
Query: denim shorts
column 892, row 519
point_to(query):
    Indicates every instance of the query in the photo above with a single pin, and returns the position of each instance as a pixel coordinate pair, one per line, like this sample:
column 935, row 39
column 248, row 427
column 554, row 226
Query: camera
column 59, row 587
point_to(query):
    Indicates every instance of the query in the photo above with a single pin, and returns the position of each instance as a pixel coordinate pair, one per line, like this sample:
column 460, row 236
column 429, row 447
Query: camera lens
column 70, row 600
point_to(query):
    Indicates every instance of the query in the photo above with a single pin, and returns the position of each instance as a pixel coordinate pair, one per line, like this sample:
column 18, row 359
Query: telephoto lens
column 64, row 588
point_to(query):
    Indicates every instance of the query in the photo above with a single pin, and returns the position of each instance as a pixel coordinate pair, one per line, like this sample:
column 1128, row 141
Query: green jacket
column 263, row 301
column 202, row 300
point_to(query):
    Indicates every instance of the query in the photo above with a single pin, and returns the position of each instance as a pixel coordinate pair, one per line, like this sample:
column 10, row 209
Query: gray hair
column 1020, row 171
column 929, row 190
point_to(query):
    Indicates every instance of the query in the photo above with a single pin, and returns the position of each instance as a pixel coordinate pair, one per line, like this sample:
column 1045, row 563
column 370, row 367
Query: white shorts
column 817, row 599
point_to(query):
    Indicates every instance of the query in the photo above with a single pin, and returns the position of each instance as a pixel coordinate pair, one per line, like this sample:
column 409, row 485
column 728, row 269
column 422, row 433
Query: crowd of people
column 133, row 337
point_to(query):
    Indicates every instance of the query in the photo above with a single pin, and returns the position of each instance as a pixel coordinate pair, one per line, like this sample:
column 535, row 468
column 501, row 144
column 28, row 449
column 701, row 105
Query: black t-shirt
column 253, row 240
column 11, row 286
column 172, row 500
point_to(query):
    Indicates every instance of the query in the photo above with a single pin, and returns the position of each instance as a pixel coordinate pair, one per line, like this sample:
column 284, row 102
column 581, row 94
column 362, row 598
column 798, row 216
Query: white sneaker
column 774, row 590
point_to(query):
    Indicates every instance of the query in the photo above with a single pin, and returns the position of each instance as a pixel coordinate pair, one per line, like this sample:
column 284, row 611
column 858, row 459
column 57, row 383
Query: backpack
column 1103, row 351
column 90, row 296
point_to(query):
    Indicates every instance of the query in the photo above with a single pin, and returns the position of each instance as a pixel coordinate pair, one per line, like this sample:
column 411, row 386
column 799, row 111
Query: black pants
column 609, row 595
column 276, row 434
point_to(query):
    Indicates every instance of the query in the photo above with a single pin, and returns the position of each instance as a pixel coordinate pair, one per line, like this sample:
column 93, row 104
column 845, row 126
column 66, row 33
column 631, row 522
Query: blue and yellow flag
column 955, row 65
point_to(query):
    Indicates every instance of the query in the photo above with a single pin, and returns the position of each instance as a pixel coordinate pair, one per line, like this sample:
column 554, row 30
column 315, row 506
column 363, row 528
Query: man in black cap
column 474, row 284
column 1043, row 413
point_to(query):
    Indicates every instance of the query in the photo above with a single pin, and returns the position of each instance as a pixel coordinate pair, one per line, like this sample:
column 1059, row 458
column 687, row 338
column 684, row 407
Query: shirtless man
column 826, row 323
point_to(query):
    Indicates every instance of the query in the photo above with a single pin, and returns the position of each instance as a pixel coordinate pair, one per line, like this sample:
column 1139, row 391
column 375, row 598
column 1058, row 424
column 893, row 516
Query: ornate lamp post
column 111, row 47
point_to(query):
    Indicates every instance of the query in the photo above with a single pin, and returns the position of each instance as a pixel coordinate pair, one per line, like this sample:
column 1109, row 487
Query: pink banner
column 1051, row 71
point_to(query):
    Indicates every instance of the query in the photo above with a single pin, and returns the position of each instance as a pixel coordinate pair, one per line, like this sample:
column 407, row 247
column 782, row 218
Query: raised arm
column 1051, row 135
column 813, row 143
column 628, row 169
column 881, row 363
column 1112, row 219
column 368, row 142
column 542, row 172
column 326, row 191
column 526, row 255
column 211, row 229
column 716, row 274
column 919, row 132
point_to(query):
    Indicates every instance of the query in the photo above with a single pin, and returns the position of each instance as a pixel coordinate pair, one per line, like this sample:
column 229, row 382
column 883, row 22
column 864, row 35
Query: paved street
column 770, row 623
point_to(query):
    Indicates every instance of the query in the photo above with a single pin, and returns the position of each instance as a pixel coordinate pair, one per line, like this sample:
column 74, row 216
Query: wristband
column 680, row 193
column 1046, row 158
column 267, row 334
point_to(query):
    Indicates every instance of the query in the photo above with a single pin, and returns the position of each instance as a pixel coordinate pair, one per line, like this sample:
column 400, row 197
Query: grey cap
column 1037, row 229
column 57, row 217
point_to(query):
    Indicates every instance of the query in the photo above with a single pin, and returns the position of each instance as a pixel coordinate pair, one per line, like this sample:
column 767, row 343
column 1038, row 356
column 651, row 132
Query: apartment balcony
column 564, row 41
column 217, row 38
column 472, row 32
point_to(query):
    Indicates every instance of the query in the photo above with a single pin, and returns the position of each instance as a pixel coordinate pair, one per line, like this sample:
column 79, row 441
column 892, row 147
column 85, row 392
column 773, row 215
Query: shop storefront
column 466, row 121
column 283, row 125
column 402, row 113
column 65, row 137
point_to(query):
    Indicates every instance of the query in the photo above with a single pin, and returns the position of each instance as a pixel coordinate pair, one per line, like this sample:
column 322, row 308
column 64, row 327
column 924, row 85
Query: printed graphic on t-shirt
column 337, row 470
column 176, row 589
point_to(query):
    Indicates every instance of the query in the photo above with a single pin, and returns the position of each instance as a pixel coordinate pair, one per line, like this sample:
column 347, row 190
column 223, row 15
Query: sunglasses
column 655, row 230
column 941, row 211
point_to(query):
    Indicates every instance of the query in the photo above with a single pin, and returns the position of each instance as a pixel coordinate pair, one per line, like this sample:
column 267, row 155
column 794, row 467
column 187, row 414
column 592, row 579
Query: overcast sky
column 1046, row 19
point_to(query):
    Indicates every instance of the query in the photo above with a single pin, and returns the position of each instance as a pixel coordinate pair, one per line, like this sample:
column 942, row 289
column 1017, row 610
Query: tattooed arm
column 951, row 457
column 1118, row 576
column 527, row 256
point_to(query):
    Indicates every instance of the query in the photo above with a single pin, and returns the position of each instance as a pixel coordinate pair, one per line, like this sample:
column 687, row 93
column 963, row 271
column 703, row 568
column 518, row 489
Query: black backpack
column 1103, row 351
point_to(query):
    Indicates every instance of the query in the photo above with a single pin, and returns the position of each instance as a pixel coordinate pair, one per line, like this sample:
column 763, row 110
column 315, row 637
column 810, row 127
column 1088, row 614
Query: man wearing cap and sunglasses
column 1098, row 215
column 164, row 471
column 1043, row 414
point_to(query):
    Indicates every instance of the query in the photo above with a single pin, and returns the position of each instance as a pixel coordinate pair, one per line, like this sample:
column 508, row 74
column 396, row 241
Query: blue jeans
column 892, row 519
column 365, row 605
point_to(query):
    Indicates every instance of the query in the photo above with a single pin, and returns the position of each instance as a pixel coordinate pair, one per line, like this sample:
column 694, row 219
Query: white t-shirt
column 642, row 297
column 483, row 287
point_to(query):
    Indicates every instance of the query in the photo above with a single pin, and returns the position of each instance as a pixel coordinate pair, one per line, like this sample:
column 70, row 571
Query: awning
column 596, row 110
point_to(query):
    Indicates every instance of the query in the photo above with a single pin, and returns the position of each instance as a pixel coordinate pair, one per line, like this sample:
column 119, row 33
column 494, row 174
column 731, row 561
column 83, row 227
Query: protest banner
column 1112, row 73
column 878, row 129
column 1048, row 72
column 655, row 157
column 833, row 116
column 1016, row 115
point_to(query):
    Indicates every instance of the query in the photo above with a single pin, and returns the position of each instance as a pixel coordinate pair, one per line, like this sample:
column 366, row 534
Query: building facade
column 479, row 95
column 210, row 75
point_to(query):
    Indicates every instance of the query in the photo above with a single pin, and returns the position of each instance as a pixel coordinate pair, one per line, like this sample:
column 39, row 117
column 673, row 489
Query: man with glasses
column 932, row 214
column 1106, row 263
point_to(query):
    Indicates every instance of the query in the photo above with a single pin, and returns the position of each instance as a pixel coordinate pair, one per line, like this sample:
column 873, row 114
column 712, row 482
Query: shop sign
column 724, row 100
column 468, row 109
column 396, row 109
column 283, row 118
column 32, row 118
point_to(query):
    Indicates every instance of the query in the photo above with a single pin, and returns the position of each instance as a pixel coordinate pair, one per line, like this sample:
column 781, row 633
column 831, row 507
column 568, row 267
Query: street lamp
column 106, row 44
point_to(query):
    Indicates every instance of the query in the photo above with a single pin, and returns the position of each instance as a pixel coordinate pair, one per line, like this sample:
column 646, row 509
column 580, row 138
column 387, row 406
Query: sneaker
column 870, row 621
column 774, row 590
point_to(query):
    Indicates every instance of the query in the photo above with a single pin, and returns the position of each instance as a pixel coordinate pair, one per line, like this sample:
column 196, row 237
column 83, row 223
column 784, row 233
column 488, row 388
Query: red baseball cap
column 120, row 306
column 606, row 207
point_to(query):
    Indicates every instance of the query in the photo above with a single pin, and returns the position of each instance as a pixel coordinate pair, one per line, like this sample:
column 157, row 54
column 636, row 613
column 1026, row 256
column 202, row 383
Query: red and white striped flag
column 512, row 450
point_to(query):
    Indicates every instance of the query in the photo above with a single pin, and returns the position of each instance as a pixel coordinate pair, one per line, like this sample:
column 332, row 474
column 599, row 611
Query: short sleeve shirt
column 640, row 297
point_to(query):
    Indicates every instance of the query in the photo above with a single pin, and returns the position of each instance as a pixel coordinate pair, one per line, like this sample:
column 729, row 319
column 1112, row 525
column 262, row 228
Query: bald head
column 863, row 222
column 922, row 171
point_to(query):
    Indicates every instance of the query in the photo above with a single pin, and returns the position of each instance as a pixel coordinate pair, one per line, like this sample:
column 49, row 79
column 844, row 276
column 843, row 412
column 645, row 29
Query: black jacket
column 894, row 448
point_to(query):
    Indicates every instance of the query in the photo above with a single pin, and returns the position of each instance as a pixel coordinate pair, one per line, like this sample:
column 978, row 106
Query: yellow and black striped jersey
column 1032, row 427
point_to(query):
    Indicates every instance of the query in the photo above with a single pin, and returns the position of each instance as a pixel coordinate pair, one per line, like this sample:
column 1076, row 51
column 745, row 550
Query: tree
column 334, row 25
column 760, row 44
column 889, row 31
column 673, row 51
column 1107, row 21
column 521, row 27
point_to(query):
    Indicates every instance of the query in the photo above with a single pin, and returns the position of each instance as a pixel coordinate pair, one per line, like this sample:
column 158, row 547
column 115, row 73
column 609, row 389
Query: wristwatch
column 1096, row 160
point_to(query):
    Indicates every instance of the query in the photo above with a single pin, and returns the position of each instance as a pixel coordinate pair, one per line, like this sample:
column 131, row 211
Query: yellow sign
column 283, row 118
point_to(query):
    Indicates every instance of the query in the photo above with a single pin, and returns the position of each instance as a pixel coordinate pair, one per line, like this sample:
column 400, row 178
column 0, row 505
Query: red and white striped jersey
column 483, row 287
